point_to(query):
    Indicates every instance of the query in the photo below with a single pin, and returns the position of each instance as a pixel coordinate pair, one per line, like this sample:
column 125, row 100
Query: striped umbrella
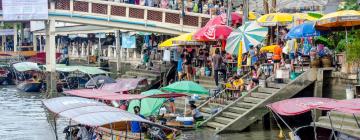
column 251, row 33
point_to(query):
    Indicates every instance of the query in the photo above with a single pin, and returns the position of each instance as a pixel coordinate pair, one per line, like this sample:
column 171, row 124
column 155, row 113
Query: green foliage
column 349, row 5
column 353, row 51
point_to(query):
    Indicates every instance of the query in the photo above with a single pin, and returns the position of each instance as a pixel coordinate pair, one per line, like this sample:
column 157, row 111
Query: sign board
column 7, row 32
column 128, row 41
column 21, row 10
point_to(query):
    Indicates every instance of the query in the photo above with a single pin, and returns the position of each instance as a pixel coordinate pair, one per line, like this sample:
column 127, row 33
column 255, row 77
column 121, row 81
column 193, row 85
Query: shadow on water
column 24, row 117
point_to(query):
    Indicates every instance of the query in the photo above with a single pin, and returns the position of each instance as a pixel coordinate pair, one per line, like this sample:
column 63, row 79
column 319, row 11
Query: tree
column 349, row 5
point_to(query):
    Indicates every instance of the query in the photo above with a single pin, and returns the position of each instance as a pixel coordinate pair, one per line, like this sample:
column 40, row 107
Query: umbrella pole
column 55, row 130
column 111, row 132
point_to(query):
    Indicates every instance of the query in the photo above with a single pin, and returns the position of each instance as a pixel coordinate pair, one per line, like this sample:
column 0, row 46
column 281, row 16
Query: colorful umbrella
column 251, row 33
column 188, row 87
column 252, row 16
column 339, row 20
column 275, row 19
column 149, row 106
column 221, row 19
column 270, row 48
column 303, row 30
column 215, row 32
column 184, row 39
column 304, row 16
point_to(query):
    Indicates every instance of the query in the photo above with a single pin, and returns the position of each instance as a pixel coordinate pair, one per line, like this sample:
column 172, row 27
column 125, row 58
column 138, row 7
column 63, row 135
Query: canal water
column 23, row 117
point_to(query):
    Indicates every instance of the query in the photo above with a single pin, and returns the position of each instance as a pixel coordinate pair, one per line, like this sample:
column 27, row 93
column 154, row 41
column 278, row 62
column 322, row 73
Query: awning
column 112, row 96
column 26, row 66
column 89, row 112
column 83, row 69
column 124, row 84
column 296, row 106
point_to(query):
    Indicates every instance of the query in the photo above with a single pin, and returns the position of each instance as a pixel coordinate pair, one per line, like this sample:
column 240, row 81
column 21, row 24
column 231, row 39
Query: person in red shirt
column 277, row 57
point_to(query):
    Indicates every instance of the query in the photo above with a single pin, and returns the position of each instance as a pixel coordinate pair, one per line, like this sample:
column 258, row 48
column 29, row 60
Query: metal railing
column 121, row 10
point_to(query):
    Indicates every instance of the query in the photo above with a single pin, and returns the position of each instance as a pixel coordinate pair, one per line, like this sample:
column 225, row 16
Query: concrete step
column 205, row 115
column 344, row 115
column 267, row 90
column 216, row 105
column 209, row 87
column 209, row 82
column 215, row 125
column 230, row 115
column 140, row 74
column 128, row 76
column 237, row 110
column 223, row 120
column 206, row 110
column 252, row 100
column 207, row 78
column 340, row 121
column 344, row 129
column 245, row 105
column 142, row 70
column 259, row 95
column 275, row 85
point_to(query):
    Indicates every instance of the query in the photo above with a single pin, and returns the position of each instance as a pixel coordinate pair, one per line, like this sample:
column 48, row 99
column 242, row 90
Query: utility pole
column 273, row 6
column 266, row 6
column 228, row 14
column 245, row 11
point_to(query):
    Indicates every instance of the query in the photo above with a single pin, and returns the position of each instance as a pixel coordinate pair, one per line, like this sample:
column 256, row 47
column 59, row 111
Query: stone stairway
column 344, row 123
column 245, row 110
column 218, row 101
column 207, row 82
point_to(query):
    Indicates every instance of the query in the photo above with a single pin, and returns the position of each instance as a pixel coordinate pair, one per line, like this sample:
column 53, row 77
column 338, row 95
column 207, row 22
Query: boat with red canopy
column 299, row 106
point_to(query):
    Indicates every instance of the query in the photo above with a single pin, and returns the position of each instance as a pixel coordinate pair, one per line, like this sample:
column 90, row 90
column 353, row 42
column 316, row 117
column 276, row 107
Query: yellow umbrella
column 167, row 43
column 303, row 16
column 184, row 39
column 274, row 19
column 339, row 20
column 252, row 16
column 268, row 48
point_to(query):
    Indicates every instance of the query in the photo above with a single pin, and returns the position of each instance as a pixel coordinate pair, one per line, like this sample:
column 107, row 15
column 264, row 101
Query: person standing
column 188, row 62
column 292, row 46
column 135, row 125
column 217, row 61
column 277, row 57
column 253, row 55
column 179, row 69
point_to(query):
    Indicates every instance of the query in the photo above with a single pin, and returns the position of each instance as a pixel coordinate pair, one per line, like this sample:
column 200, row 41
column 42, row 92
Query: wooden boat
column 30, row 86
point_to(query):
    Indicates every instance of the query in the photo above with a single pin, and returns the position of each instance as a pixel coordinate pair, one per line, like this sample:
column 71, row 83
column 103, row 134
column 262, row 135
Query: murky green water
column 22, row 117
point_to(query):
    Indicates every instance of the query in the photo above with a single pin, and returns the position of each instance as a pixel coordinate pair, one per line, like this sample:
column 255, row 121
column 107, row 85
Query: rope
column 277, row 122
column 313, row 116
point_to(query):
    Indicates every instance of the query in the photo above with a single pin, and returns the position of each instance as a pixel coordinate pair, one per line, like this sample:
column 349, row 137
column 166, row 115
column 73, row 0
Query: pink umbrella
column 215, row 32
column 221, row 19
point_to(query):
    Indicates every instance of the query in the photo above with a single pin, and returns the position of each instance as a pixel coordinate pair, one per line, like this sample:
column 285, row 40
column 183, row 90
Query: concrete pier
column 50, row 58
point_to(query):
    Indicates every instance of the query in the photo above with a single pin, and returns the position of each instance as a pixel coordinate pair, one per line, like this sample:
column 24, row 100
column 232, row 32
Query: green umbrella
column 187, row 87
column 149, row 106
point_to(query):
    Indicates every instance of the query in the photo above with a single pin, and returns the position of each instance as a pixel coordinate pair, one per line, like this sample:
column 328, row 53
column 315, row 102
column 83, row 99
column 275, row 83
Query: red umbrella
column 215, row 32
column 221, row 19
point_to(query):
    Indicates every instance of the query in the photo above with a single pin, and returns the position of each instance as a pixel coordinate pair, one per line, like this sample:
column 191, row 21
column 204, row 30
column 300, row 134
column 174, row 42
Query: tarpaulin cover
column 102, row 94
column 296, row 106
column 112, row 96
column 346, row 106
column 83, row 69
column 95, row 81
column 89, row 112
column 26, row 66
column 41, row 57
column 123, row 84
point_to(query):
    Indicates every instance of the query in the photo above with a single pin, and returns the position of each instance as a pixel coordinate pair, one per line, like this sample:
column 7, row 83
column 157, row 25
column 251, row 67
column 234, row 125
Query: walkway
column 125, row 16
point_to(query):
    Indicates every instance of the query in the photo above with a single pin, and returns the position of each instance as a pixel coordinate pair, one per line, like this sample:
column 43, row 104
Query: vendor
column 195, row 113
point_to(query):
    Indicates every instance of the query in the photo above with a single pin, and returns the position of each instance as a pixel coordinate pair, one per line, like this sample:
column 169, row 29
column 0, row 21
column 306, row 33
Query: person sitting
column 196, row 114
column 135, row 125
column 35, row 79
column 239, row 85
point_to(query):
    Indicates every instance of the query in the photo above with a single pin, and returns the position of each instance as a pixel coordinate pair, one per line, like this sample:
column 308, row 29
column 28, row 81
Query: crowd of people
column 213, row 7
